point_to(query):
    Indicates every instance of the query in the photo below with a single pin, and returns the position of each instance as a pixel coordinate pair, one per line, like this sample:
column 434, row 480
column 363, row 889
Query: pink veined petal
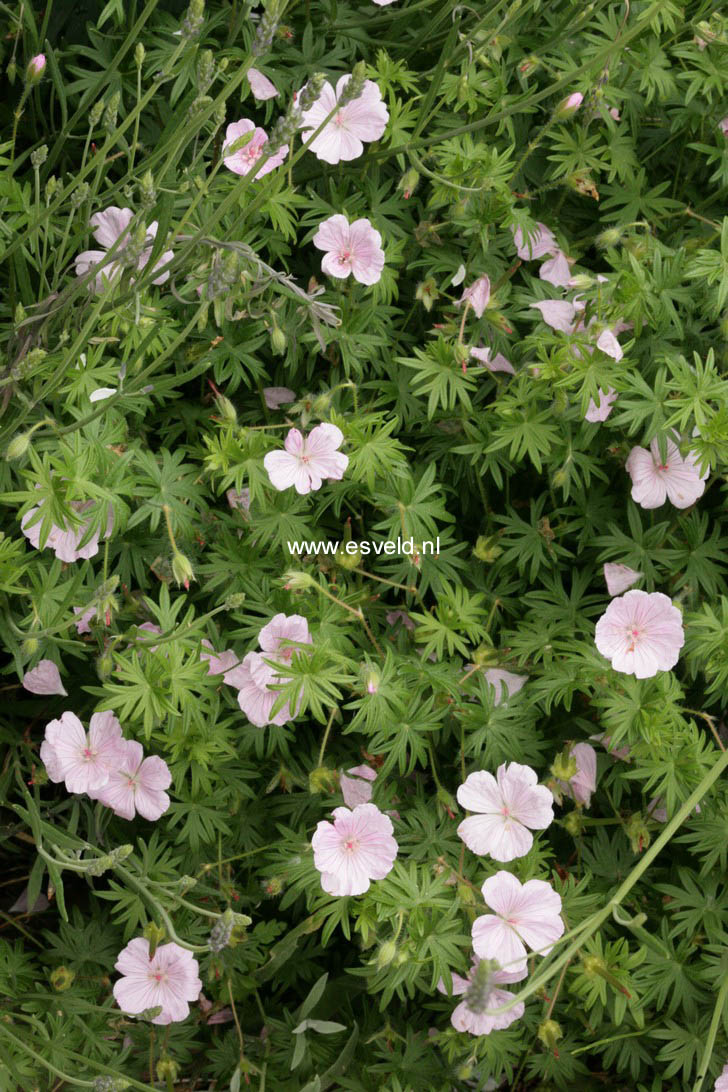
column 539, row 916
column 501, row 892
column 600, row 412
column 261, row 86
column 619, row 577
column 480, row 792
column 494, row 939
column 45, row 678
column 283, row 469
column 324, row 439
column 335, row 266
column 109, row 225
column 294, row 442
column 559, row 314
column 355, row 790
column 540, row 244
column 608, row 343
column 503, row 839
column 365, row 117
column 556, row 270
column 332, row 234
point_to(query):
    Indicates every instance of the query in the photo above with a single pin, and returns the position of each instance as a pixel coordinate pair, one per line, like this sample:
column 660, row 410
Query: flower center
column 158, row 976
column 339, row 119
column 350, row 844
column 633, row 636
column 88, row 753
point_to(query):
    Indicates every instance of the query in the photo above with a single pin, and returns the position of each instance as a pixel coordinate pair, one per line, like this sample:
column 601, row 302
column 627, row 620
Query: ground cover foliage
column 549, row 186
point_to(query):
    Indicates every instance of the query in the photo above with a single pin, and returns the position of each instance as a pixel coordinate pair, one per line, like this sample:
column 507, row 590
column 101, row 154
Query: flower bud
column 94, row 114
column 192, row 22
column 61, row 978
column 408, row 183
column 147, row 192
column 79, row 195
column 608, row 238
column 234, row 601
column 372, row 680
column 155, row 935
column 105, row 665
column 50, row 188
column 226, row 409
column 111, row 111
column 38, row 157
column 139, row 54
column 11, row 71
column 30, row 646
column 549, row 1033
column 272, row 886
column 637, row 832
column 574, row 823
column 36, row 68
column 355, row 85
column 569, row 106
column 298, row 581
column 485, row 656
column 323, row 779
column 311, row 92
column 182, row 570
column 278, row 340
column 167, row 1069
column 427, row 293
column 487, row 549
column 18, row 445
column 386, row 954
column 593, row 965
column 564, row 766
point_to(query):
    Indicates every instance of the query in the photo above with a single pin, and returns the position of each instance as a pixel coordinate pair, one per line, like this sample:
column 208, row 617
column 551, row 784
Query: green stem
column 23, row 1045
column 712, row 1034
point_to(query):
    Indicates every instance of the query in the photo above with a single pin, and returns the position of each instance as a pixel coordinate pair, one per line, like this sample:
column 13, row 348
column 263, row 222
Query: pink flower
column 261, row 86
column 477, row 294
column 307, row 460
column 505, row 808
column 641, row 633
column 559, row 314
column 614, row 113
column 505, row 683
column 570, row 105
column 136, row 784
column 556, row 270
column 498, row 364
column 350, row 248
column 721, row 1084
column 535, row 246
column 278, row 396
column 676, row 479
column 244, row 159
column 619, row 577
column 363, row 119
column 616, row 752
column 65, row 542
column 477, row 1012
column 525, row 914
column 581, row 786
column 45, row 678
column 356, row 848
column 357, row 789
column 608, row 343
column 253, row 677
column 83, row 760
column 723, row 126
column 281, row 635
column 596, row 413
column 82, row 623
column 109, row 226
column 169, row 979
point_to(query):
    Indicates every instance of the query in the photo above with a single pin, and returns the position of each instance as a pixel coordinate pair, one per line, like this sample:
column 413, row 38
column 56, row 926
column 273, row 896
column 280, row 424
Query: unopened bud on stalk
column 478, row 992
column 30, row 646
column 167, row 1069
column 155, row 935
column 323, row 779
column 226, row 409
column 104, row 665
column 549, row 1033
column 427, row 293
column 608, row 238
column 38, row 157
column 355, row 85
column 50, row 188
column 386, row 954
column 408, row 183
column 192, row 22
column 298, row 581
column 182, row 570
column 36, row 68
column 147, row 192
column 18, row 445
column 111, row 111
column 569, row 106
column 94, row 114
column 266, row 29
column 11, row 71
column 278, row 340
column 205, row 70
column 139, row 54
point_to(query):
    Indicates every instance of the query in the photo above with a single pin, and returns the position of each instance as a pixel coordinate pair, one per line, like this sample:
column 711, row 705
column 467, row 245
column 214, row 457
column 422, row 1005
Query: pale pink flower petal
column 356, row 785
column 244, row 159
column 109, row 226
column 641, row 633
column 507, row 809
column 45, row 678
column 218, row 665
column 394, row 616
column 82, row 623
column 525, row 914
column 505, row 683
column 261, row 86
column 721, row 1084
column 101, row 393
column 353, row 850
column 540, row 244
column 350, row 249
column 65, row 542
column 581, row 786
column 274, row 637
column 596, row 413
column 556, row 270
column 608, row 343
column 363, row 119
column 170, row 980
column 654, row 481
column 478, row 294
column 559, row 314
column 278, row 396
column 619, row 577
column 239, row 500
column 307, row 461
column 136, row 784
column 498, row 363
column 487, row 998
column 723, row 126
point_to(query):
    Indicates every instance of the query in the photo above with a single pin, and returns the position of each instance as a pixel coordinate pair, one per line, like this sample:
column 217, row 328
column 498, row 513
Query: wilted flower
column 558, row 314
column 477, row 294
column 354, row 248
column 45, row 678
column 608, row 343
column 82, row 623
column 535, row 246
column 353, row 850
column 135, row 784
column 596, row 413
column 239, row 500
column 170, row 979
column 619, row 577
column 641, row 633
column 275, row 397
column 307, row 460
column 83, row 760
column 506, row 807
column 253, row 677
column 476, row 1012
column 363, row 119
column 525, row 914
column 654, row 481
column 109, row 226
column 498, row 363
column 244, row 159
column 556, row 270
column 583, row 783
column 505, row 683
